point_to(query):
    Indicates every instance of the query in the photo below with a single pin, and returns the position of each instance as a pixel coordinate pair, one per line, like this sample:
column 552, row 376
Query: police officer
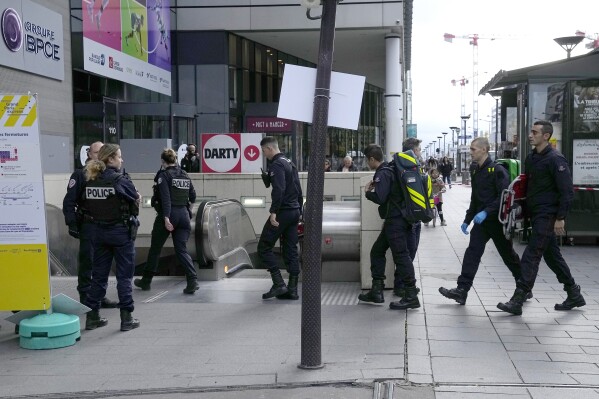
column 172, row 203
column 488, row 182
column 549, row 195
column 112, row 202
column 384, row 191
column 284, row 216
column 79, row 227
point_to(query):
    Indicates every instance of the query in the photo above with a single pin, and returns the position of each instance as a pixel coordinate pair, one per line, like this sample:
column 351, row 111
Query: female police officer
column 113, row 205
column 175, row 193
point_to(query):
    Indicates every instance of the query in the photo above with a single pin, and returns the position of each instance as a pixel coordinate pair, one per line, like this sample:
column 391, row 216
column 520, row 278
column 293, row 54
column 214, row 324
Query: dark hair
column 410, row 143
column 375, row 151
column 547, row 127
column 169, row 156
column 269, row 141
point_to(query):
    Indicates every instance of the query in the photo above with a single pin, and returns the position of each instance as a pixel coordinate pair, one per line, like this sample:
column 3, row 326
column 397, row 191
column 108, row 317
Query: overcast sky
column 524, row 32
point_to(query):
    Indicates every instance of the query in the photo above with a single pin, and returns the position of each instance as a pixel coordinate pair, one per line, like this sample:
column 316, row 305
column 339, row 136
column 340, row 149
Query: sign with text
column 231, row 153
column 24, row 271
column 585, row 164
column 129, row 40
column 32, row 38
column 265, row 124
column 297, row 97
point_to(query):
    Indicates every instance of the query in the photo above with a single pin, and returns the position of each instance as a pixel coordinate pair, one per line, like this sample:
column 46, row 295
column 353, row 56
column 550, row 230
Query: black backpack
column 416, row 188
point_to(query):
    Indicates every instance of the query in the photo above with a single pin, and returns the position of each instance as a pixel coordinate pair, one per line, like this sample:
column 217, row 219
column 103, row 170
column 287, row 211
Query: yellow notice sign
column 24, row 271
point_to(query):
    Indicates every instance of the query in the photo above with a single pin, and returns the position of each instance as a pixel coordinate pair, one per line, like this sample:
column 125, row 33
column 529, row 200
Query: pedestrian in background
column 285, row 211
column 113, row 205
column 347, row 165
column 174, row 194
column 445, row 167
column 489, row 179
column 549, row 195
column 81, row 228
column 384, row 191
column 438, row 190
column 191, row 161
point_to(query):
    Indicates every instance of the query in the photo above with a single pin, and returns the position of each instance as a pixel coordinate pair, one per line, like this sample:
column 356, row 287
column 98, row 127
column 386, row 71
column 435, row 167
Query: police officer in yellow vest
column 112, row 203
column 172, row 201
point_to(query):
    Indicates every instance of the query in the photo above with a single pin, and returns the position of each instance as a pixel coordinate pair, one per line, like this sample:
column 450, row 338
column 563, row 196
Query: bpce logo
column 12, row 30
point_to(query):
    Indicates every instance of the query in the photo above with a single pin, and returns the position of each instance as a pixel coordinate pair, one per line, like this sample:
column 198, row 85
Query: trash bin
column 465, row 177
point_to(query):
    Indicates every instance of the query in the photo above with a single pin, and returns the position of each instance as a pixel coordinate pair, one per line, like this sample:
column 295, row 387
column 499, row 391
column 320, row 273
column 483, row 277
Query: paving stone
column 486, row 370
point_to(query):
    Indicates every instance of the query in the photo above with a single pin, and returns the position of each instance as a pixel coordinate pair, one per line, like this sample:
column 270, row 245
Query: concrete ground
column 225, row 342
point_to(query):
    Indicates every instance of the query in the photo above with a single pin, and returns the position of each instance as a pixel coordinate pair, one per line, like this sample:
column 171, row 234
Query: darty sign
column 32, row 38
column 267, row 124
column 231, row 153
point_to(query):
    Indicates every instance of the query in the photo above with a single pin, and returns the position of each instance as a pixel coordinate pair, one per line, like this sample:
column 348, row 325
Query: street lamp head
column 454, row 128
column 568, row 42
column 439, row 137
column 465, row 117
column 444, row 133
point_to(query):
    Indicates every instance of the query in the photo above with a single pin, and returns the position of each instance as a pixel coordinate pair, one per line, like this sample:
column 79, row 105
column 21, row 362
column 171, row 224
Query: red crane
column 594, row 39
column 462, row 82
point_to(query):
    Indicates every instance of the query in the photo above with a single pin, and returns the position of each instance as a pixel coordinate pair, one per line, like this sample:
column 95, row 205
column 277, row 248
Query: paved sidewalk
column 225, row 342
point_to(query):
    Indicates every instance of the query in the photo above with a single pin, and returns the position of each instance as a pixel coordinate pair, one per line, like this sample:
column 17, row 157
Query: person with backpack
column 489, row 179
column 384, row 191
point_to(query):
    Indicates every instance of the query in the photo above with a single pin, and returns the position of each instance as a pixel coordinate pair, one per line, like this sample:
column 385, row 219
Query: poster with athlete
column 128, row 40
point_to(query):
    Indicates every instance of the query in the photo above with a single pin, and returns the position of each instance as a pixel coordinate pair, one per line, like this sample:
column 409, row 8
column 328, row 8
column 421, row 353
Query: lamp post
column 568, row 43
column 465, row 120
column 496, row 96
column 444, row 135
column 439, row 137
column 311, row 339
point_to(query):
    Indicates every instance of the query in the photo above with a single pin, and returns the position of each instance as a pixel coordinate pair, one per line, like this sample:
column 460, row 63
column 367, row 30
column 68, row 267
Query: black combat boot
column 401, row 291
column 278, row 286
column 291, row 289
column 108, row 304
column 410, row 301
column 514, row 305
column 127, row 321
column 375, row 295
column 192, row 286
column 457, row 294
column 574, row 299
column 145, row 281
column 93, row 320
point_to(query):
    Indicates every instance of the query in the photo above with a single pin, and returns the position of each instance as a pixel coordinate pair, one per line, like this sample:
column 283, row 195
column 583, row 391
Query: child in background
column 438, row 190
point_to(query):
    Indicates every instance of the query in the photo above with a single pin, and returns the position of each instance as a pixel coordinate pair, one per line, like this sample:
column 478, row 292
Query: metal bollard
column 465, row 177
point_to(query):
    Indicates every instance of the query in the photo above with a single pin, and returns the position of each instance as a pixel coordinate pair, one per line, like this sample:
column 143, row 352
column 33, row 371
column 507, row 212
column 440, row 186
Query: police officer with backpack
column 488, row 181
column 384, row 190
column 174, row 192
column 113, row 206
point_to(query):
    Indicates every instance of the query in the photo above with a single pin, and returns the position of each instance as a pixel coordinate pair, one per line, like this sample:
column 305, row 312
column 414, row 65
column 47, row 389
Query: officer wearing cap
column 174, row 192
column 112, row 203
column 79, row 227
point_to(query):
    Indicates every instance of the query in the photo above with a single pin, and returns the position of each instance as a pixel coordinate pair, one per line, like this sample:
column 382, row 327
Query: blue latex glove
column 480, row 217
column 464, row 228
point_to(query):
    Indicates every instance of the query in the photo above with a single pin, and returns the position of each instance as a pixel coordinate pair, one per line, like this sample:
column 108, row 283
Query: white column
column 393, row 95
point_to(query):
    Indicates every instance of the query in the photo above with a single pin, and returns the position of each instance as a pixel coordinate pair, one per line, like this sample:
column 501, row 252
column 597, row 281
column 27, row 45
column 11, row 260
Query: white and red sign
column 231, row 153
column 264, row 124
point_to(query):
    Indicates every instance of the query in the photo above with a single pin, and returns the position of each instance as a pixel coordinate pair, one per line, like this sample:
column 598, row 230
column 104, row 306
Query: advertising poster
column 586, row 109
column 231, row 153
column 585, row 165
column 24, row 270
column 129, row 40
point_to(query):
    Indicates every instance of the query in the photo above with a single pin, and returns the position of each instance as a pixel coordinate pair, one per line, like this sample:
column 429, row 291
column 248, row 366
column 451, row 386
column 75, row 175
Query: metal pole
column 496, row 124
column 311, row 345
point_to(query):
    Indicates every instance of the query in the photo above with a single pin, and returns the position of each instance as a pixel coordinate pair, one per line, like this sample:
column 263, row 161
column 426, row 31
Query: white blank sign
column 297, row 96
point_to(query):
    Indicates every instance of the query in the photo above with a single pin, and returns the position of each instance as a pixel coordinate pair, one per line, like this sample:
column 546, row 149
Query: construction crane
column 462, row 82
column 594, row 39
column 474, row 38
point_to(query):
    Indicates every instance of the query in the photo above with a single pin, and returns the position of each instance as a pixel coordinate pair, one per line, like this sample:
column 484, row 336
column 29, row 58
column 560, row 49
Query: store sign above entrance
column 231, row 153
column 297, row 97
column 32, row 38
column 262, row 124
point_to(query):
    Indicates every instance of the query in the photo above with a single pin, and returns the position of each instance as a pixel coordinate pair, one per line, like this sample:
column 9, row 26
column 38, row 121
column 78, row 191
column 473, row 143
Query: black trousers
column 86, row 259
column 413, row 240
column 394, row 235
column 480, row 234
column 542, row 243
column 287, row 229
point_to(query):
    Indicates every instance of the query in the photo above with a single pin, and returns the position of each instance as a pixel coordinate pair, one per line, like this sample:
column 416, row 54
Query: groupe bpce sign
column 33, row 38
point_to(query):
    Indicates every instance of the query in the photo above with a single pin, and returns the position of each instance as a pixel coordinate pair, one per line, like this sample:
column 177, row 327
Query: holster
column 265, row 178
column 133, row 224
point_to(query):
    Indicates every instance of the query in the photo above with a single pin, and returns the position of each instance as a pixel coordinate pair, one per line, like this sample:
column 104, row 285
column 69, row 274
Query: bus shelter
column 566, row 93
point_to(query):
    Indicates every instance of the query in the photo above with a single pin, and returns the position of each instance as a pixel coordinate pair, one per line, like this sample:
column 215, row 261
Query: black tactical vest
column 102, row 202
column 179, row 186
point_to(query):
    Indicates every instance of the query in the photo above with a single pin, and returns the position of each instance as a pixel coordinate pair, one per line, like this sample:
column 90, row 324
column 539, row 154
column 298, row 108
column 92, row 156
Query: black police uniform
column 488, row 181
column 79, row 228
column 176, row 191
column 396, row 230
column 549, row 195
column 286, row 203
column 110, row 201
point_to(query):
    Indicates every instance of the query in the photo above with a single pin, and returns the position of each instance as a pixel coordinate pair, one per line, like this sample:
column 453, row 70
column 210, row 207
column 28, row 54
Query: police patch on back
column 182, row 183
column 99, row 192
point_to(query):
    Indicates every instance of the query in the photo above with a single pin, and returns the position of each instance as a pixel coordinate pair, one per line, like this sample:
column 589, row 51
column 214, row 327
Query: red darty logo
column 222, row 153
